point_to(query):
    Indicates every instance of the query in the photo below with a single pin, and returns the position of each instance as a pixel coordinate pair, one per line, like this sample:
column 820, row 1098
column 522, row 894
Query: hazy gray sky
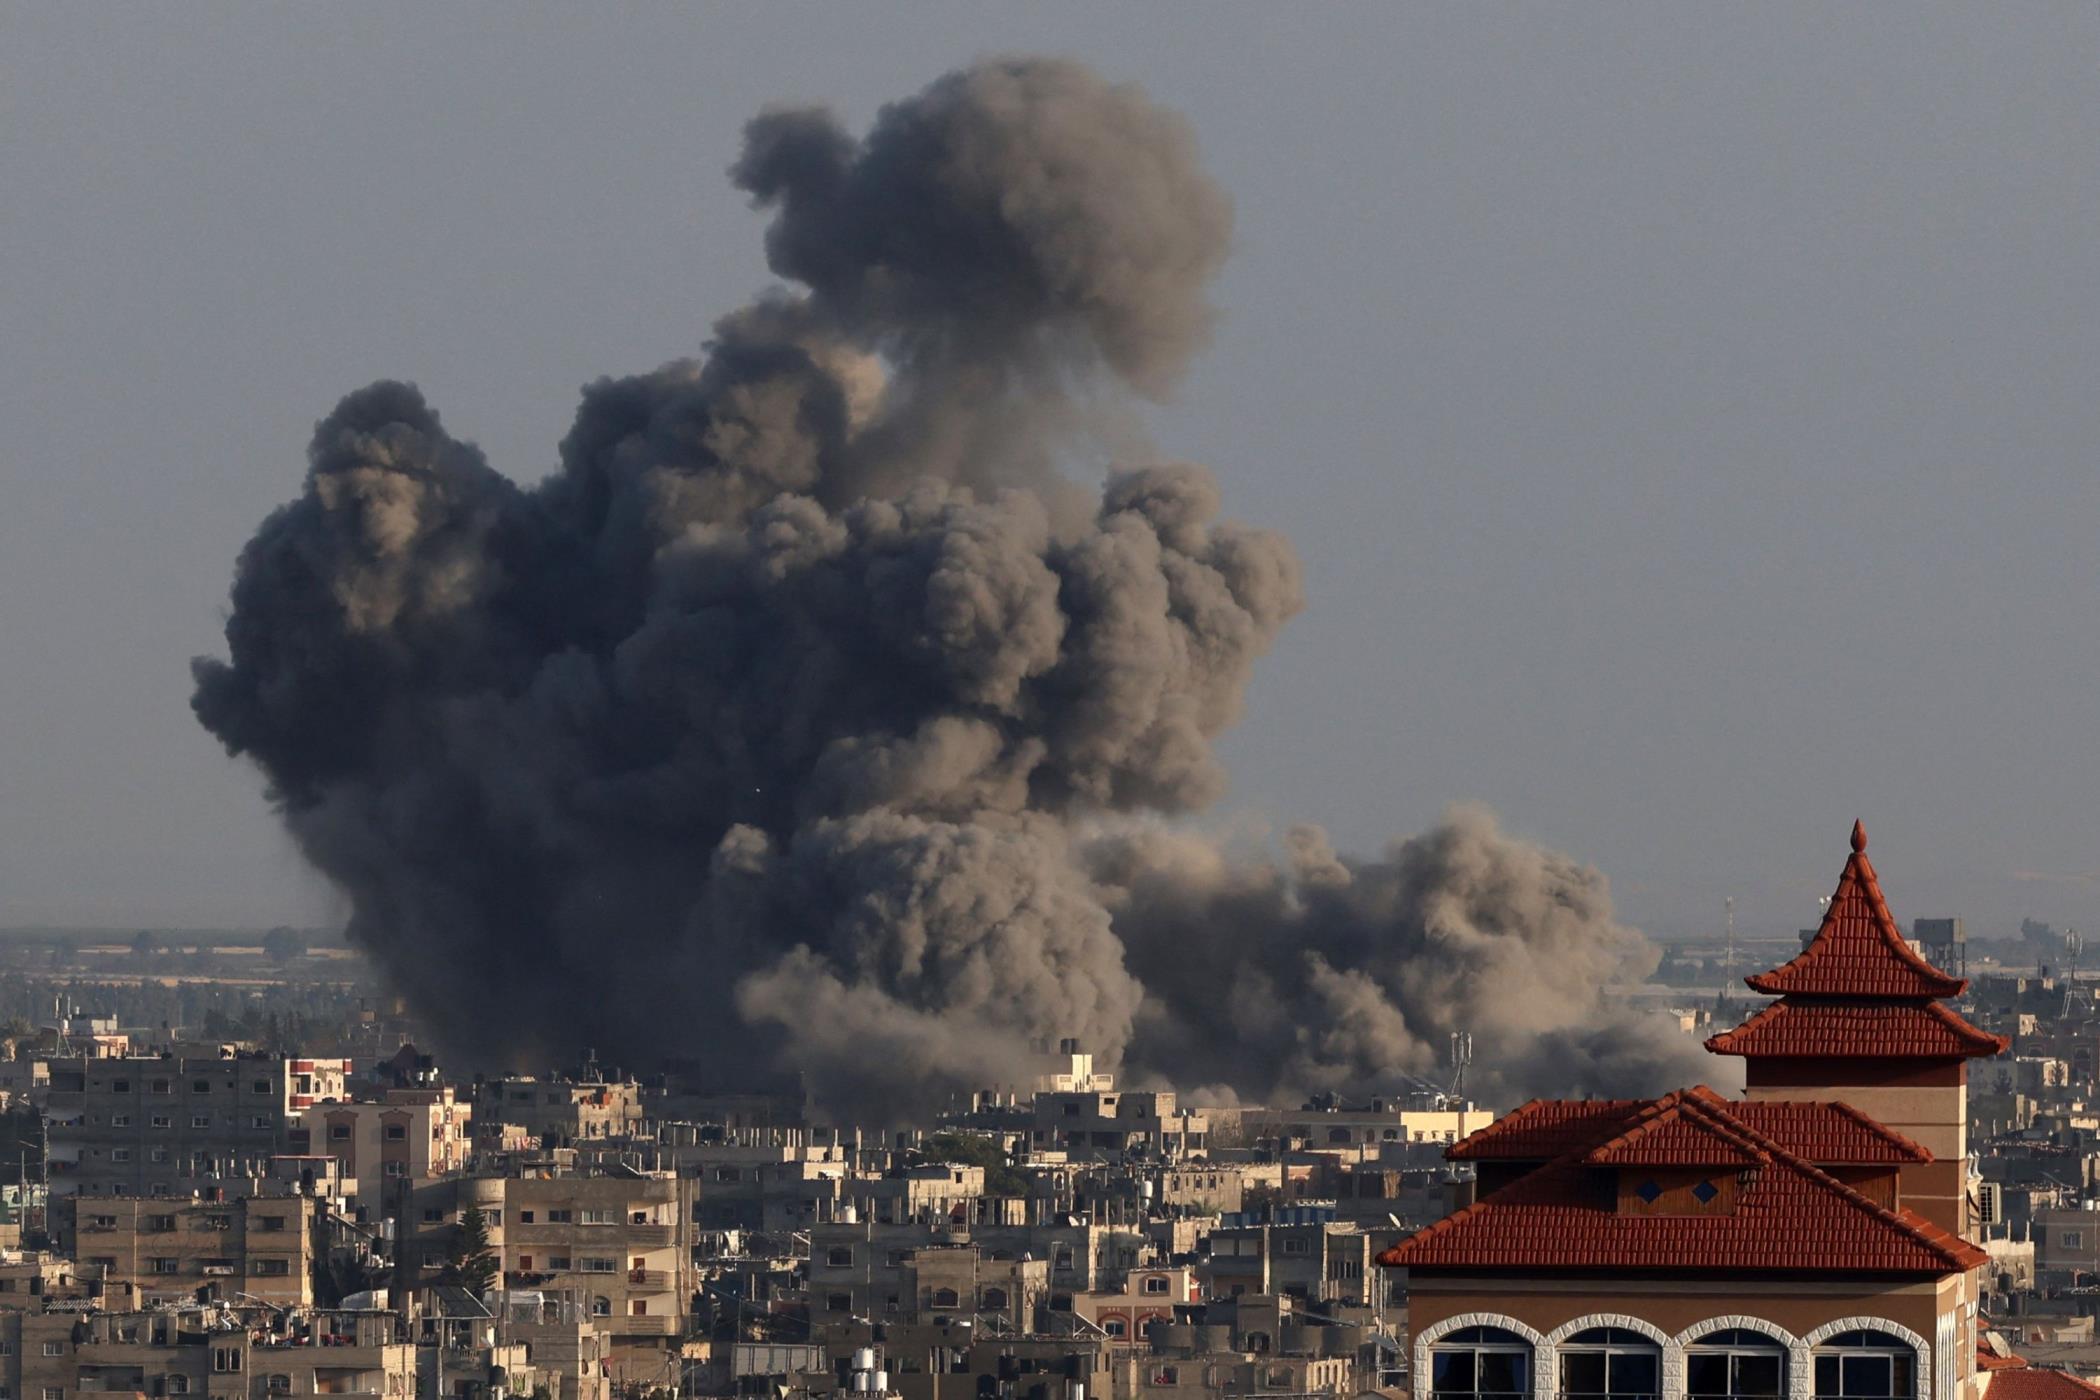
column 1687, row 414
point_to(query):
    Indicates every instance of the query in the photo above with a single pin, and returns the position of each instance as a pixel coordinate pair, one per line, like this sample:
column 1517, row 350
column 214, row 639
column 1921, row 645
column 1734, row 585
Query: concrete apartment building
column 261, row 1248
column 938, row 1193
column 612, row 1249
column 36, row 1281
column 892, row 1275
column 1007, row 1295
column 955, row 1360
column 862, row 1269
column 866, row 1265
column 560, row 1112
column 1312, row 1261
column 753, row 1179
column 202, row 1352
column 406, row 1134
column 2066, row 1241
column 166, row 1126
column 572, row 1356
column 1103, row 1121
column 1213, row 1187
column 1367, row 1128
column 1147, row 1296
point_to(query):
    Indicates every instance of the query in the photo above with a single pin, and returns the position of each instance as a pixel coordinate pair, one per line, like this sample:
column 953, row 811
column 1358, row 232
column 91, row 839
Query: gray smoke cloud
column 778, row 728
column 1322, row 972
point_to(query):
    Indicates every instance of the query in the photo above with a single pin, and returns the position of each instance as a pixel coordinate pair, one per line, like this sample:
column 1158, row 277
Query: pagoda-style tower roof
column 1857, row 990
column 1858, row 951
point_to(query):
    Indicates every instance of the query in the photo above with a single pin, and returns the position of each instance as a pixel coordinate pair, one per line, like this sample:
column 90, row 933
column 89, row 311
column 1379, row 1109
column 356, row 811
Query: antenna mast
column 2073, row 946
column 1461, row 1056
column 1728, row 952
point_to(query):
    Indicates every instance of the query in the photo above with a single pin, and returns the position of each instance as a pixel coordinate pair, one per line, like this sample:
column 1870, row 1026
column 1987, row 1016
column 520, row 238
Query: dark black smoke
column 766, row 730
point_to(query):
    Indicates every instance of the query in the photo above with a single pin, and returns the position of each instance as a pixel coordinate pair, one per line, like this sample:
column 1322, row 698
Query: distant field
column 119, row 939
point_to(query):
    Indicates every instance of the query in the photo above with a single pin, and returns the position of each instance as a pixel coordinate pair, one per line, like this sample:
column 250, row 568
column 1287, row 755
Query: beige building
column 408, row 1134
column 1366, row 1129
column 1147, row 1296
column 610, row 1249
column 165, row 1126
column 559, row 1112
column 572, row 1356
column 1006, row 1295
column 261, row 1248
column 1104, row 1122
column 1212, row 1188
column 34, row 1281
column 200, row 1352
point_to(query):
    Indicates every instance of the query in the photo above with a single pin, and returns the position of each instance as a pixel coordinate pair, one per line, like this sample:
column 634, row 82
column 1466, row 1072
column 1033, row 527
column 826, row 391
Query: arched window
column 995, row 1298
column 601, row 1306
column 1735, row 1364
column 1866, row 1366
column 1610, row 1363
column 1338, row 1135
column 1480, row 1363
column 946, row 1298
column 1114, row 1326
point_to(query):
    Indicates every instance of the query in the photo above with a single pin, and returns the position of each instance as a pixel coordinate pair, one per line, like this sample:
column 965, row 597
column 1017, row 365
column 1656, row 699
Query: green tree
column 1001, row 1177
column 469, row 1261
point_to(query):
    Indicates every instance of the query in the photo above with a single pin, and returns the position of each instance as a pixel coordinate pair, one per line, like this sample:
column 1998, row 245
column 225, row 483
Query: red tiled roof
column 1988, row 1360
column 1544, row 1129
column 1825, row 1133
column 1828, row 1134
column 1858, row 951
column 2031, row 1383
column 1864, row 1029
column 1662, row 1136
column 1788, row 1217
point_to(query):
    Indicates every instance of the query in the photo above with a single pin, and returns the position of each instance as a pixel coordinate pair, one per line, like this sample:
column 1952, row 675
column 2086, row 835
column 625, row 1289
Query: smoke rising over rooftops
column 808, row 719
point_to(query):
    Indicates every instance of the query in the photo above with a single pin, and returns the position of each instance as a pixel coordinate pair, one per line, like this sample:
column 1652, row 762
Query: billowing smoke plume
column 764, row 732
column 1332, row 973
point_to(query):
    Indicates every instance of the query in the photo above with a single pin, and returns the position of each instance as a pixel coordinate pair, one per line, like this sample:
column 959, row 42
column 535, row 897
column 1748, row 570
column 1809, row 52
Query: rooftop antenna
column 2073, row 946
column 1461, row 1056
column 1721, row 1001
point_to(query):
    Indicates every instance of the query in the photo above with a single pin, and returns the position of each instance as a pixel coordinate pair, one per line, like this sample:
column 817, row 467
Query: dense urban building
column 162, row 1126
column 1901, row 1203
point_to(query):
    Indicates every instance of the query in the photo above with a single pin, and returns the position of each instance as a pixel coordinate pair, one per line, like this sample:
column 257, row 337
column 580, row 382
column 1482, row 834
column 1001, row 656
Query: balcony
column 649, row 1236
column 649, row 1278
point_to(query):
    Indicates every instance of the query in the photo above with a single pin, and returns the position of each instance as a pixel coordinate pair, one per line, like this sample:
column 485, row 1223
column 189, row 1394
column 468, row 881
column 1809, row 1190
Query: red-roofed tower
column 1858, row 1019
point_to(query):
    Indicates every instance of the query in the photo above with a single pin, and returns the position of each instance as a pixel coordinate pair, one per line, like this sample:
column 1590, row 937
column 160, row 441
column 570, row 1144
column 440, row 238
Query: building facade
column 1805, row 1241
column 166, row 1126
